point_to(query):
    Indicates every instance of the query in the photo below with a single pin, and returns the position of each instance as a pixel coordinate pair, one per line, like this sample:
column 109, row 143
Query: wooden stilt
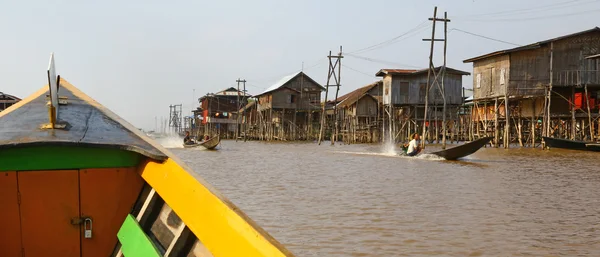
column 471, row 121
column 573, row 121
column 496, row 132
column 485, row 120
column 533, row 123
column 507, row 119
column 519, row 127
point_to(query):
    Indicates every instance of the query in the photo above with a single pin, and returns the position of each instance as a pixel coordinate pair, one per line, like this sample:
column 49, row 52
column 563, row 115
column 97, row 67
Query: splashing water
column 389, row 148
column 171, row 141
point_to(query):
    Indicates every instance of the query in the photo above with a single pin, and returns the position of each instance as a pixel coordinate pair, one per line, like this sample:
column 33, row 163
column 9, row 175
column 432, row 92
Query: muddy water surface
column 357, row 200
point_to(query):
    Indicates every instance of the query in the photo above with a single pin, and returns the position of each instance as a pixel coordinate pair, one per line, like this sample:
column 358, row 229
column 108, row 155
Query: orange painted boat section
column 107, row 196
column 49, row 200
column 10, row 229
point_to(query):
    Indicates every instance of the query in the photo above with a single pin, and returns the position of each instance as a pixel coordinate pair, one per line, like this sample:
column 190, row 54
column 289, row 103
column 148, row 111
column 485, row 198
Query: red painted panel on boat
column 10, row 228
column 49, row 200
column 107, row 196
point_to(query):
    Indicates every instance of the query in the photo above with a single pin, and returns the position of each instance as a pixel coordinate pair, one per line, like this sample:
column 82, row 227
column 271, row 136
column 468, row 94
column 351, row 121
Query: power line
column 482, row 36
column 421, row 26
column 549, row 7
column 381, row 61
column 361, row 72
column 317, row 63
column 533, row 18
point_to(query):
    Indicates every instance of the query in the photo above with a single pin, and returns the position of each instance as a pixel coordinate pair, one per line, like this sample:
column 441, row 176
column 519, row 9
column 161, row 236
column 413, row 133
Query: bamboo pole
column 587, row 100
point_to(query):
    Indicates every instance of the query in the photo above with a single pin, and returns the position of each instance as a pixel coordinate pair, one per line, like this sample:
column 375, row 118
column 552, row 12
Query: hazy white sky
column 137, row 57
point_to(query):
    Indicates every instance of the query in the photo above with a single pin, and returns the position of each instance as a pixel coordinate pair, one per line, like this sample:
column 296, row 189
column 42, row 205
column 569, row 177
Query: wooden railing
column 576, row 77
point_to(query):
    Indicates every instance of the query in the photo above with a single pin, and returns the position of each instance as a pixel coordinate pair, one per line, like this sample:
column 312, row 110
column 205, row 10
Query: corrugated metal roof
column 231, row 91
column 281, row 82
column 287, row 79
column 384, row 72
column 354, row 96
column 528, row 47
column 11, row 97
column 395, row 71
column 596, row 56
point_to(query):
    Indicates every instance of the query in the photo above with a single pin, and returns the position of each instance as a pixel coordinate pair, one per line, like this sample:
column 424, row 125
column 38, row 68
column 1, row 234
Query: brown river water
column 358, row 200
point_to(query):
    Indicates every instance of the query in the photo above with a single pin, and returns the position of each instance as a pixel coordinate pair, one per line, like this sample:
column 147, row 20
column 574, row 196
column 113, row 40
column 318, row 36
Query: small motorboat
column 460, row 151
column 209, row 144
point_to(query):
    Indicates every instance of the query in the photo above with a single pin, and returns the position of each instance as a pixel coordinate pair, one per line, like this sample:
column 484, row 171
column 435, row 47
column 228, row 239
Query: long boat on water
column 77, row 180
column 459, row 151
column 209, row 144
column 571, row 144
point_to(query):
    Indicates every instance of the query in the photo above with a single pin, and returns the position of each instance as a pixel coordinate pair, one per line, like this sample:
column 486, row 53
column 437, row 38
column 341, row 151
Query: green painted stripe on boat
column 134, row 242
column 65, row 157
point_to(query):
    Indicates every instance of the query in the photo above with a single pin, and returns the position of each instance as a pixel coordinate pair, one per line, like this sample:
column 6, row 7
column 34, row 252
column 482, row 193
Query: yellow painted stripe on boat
column 215, row 221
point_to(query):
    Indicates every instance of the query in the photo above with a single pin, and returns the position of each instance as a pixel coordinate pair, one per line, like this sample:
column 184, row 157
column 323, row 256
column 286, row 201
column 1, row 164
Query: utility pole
column 333, row 65
column 244, row 112
column 446, row 20
column 193, row 120
column 431, row 71
column 239, row 104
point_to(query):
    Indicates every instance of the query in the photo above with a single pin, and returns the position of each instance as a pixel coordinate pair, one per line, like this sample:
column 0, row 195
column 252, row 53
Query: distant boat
column 77, row 180
column 209, row 144
column 571, row 144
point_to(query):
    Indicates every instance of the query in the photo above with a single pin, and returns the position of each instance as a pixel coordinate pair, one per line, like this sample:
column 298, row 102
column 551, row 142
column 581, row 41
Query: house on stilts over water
column 288, row 110
column 218, row 112
column 548, row 88
column 404, row 102
column 359, row 114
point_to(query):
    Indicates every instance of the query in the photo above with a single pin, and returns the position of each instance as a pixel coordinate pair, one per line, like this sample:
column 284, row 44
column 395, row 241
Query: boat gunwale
column 129, row 148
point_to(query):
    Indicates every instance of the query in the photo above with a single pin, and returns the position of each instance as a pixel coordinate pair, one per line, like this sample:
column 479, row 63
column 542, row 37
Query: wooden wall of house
column 411, row 90
column 222, row 103
column 376, row 90
column 265, row 102
column 530, row 107
column 529, row 72
column 282, row 99
column 366, row 107
column 387, row 90
column 309, row 99
column 487, row 75
column 569, row 55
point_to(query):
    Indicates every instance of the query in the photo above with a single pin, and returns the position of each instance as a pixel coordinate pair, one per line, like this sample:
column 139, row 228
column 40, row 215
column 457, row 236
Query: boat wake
column 427, row 156
column 388, row 154
column 424, row 156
